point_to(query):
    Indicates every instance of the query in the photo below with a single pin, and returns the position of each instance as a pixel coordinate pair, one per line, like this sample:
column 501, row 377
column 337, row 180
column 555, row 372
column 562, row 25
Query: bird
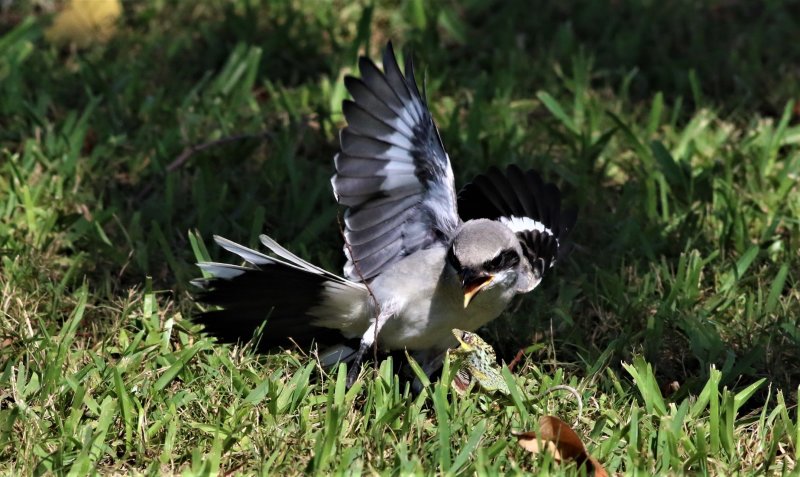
column 421, row 259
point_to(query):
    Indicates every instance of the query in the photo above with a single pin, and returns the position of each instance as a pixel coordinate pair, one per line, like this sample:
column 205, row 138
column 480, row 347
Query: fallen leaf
column 537, row 445
column 83, row 22
column 559, row 440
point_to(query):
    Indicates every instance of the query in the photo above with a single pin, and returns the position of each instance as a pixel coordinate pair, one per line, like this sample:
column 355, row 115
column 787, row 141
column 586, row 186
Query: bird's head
column 487, row 256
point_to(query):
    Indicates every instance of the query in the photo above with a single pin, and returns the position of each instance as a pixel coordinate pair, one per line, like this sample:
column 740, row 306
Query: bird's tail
column 300, row 302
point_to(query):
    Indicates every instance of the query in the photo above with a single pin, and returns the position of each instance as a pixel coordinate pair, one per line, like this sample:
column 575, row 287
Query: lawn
column 673, row 127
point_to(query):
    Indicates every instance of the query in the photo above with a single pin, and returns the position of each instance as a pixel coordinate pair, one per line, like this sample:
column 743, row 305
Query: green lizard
column 475, row 362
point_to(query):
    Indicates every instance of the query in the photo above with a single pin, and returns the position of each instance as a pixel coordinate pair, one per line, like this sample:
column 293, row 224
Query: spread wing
column 527, row 205
column 392, row 172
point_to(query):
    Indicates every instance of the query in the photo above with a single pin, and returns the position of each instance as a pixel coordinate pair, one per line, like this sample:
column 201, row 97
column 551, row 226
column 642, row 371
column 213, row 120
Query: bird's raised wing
column 527, row 205
column 392, row 172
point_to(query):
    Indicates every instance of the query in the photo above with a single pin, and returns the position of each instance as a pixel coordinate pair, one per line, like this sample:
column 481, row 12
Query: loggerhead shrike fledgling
column 420, row 259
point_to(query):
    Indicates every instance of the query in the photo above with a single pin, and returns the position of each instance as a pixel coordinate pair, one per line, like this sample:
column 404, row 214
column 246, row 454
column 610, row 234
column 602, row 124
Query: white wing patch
column 523, row 224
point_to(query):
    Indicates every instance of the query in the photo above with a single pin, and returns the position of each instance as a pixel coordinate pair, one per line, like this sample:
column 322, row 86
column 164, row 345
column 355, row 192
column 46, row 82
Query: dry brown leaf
column 559, row 440
column 536, row 445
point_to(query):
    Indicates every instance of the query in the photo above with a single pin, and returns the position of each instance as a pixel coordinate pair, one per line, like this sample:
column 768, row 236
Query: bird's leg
column 367, row 339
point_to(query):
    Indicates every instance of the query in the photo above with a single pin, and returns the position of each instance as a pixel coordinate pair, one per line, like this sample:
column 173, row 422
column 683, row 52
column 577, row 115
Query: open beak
column 472, row 284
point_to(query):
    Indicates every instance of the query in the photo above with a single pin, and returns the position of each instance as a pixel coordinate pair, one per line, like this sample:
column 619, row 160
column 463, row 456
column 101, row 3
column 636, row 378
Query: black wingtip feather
column 515, row 193
column 498, row 194
column 411, row 79
column 391, row 125
column 389, row 59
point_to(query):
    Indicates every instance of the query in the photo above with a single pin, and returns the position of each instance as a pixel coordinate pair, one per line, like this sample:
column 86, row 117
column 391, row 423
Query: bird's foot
column 352, row 374
column 355, row 365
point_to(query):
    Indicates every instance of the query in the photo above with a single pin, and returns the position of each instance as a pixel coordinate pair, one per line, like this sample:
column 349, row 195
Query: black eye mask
column 503, row 261
column 452, row 259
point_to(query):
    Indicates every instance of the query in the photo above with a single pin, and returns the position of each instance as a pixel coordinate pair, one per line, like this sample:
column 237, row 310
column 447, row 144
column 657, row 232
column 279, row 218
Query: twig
column 553, row 345
column 190, row 151
column 369, row 290
column 571, row 390
column 517, row 358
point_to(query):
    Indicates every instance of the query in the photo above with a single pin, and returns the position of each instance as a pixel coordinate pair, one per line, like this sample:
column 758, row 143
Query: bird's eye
column 504, row 260
column 452, row 259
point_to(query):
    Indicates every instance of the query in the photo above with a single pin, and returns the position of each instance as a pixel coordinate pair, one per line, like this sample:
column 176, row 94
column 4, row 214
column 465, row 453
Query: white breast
column 428, row 302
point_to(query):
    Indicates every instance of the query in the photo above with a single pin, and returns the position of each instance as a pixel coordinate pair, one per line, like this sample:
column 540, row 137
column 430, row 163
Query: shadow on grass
column 173, row 78
column 628, row 254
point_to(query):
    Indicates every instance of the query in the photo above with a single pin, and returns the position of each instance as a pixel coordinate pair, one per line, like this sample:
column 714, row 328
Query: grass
column 672, row 127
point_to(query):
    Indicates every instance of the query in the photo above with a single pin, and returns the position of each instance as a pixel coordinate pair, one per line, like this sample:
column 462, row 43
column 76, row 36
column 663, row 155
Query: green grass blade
column 466, row 451
column 175, row 368
column 556, row 110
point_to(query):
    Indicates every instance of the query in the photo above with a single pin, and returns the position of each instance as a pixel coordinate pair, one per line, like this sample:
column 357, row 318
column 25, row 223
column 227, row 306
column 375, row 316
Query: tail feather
column 219, row 270
column 287, row 293
column 276, row 334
